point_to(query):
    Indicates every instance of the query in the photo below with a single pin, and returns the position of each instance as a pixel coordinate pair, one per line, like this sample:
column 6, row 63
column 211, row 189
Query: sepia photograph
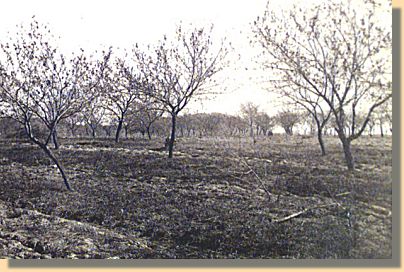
column 212, row 129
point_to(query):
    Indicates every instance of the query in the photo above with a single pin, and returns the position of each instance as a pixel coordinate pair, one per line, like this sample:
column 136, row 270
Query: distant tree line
column 250, row 122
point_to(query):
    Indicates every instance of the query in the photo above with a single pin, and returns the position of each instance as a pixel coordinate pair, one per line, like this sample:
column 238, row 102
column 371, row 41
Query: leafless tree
column 287, row 120
column 73, row 123
column 249, row 112
column 208, row 124
column 335, row 53
column 188, row 123
column 371, row 125
column 181, row 71
column 93, row 112
column 146, row 115
column 319, row 111
column 37, row 82
column 265, row 123
column 121, row 85
column 234, row 125
column 383, row 115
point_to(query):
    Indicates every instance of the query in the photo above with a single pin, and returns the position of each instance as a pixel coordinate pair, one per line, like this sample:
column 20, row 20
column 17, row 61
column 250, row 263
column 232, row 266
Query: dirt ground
column 217, row 198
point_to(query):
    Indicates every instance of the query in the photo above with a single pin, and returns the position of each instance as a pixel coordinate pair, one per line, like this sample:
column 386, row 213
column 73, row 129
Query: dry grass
column 132, row 202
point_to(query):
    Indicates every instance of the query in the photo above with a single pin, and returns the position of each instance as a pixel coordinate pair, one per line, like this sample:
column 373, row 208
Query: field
column 217, row 198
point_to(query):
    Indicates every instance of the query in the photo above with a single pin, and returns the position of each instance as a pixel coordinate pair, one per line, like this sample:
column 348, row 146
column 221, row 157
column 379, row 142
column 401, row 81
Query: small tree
column 249, row 112
column 265, row 122
column 333, row 52
column 38, row 83
column 180, row 71
column 73, row 123
column 287, row 120
column 371, row 125
column 318, row 110
column 207, row 124
column 93, row 112
column 188, row 123
column 383, row 115
column 147, row 114
column 121, row 86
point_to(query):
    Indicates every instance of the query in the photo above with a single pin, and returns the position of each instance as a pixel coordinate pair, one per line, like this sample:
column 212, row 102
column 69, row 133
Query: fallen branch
column 381, row 209
column 242, row 173
column 302, row 212
column 379, row 216
column 257, row 177
column 343, row 194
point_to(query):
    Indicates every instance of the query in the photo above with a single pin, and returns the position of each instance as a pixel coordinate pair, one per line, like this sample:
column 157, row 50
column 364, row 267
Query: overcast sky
column 95, row 24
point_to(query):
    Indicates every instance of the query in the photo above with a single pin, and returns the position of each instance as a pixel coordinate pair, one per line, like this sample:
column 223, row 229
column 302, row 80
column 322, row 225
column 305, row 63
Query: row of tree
column 249, row 122
column 38, row 83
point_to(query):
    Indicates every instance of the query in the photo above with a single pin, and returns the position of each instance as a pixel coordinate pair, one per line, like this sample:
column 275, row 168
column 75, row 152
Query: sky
column 99, row 24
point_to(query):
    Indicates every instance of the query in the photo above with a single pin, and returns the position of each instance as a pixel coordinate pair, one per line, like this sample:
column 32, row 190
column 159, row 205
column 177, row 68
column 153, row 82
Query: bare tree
column 108, row 128
column 319, row 111
column 39, row 83
column 162, row 126
column 383, row 115
column 208, row 124
column 234, row 125
column 188, row 123
column 121, row 87
column 147, row 114
column 371, row 125
column 181, row 71
column 93, row 112
column 73, row 123
column 249, row 112
column 334, row 53
column 287, row 120
column 308, row 124
column 265, row 123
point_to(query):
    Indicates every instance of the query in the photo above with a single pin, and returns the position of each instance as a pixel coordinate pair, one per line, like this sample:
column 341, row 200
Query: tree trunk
column 27, row 127
column 148, row 132
column 73, row 132
column 58, row 165
column 55, row 139
column 381, row 129
column 118, row 130
column 172, row 139
column 346, row 144
column 320, row 141
column 126, row 131
column 93, row 132
column 55, row 160
column 109, row 130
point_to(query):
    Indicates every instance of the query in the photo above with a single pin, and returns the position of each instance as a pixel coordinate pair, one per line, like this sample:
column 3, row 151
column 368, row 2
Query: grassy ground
column 207, row 202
